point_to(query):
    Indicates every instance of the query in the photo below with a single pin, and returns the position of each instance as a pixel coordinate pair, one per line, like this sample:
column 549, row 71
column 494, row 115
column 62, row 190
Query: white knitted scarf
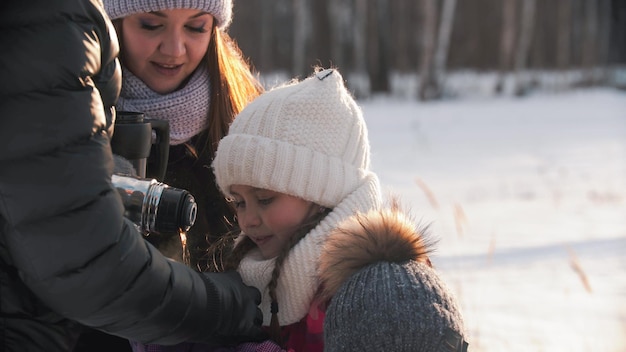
column 186, row 109
column 298, row 282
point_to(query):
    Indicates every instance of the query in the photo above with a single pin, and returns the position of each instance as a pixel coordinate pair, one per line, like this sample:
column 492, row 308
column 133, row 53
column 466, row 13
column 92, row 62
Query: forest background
column 385, row 46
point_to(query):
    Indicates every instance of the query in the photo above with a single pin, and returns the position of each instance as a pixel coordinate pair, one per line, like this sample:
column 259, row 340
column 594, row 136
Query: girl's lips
column 261, row 240
column 167, row 70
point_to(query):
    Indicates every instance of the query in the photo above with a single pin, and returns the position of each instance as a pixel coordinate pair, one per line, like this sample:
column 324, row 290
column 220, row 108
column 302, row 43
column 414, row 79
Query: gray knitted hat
column 387, row 298
column 393, row 307
column 221, row 10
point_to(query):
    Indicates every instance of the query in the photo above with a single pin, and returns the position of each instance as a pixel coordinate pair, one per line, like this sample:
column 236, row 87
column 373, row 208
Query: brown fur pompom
column 363, row 239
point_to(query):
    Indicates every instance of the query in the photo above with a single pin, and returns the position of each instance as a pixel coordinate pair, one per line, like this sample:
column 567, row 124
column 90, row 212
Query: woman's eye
column 199, row 29
column 239, row 204
column 150, row 27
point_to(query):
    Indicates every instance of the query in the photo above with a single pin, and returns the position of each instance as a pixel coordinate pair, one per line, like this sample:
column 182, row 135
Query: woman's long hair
column 233, row 86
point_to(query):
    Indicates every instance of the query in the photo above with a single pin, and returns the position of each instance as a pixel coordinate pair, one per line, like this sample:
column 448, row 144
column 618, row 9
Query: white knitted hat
column 307, row 139
column 221, row 10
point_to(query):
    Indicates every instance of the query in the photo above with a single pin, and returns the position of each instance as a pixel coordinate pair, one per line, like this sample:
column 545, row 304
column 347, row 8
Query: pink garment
column 307, row 335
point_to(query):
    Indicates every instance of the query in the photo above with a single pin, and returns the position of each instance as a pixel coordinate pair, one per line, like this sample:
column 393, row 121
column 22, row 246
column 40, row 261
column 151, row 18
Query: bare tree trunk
column 265, row 45
column 378, row 46
column 521, row 55
column 577, row 33
column 591, row 34
column 401, row 34
column 443, row 42
column 302, row 30
column 360, row 33
column 371, row 46
column 336, row 21
column 320, row 50
column 542, row 29
column 590, row 42
column 339, row 18
column 429, row 32
column 604, row 30
column 563, row 52
column 617, row 53
column 507, row 41
column 359, row 81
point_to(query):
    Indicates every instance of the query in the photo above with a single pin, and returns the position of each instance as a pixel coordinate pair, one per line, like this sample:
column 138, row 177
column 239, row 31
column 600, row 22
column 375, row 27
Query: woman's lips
column 167, row 70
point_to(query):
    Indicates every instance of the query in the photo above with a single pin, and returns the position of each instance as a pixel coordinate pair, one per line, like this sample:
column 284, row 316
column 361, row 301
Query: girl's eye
column 265, row 201
column 239, row 204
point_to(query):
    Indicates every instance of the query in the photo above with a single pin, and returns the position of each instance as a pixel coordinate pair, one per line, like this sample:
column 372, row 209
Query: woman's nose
column 173, row 44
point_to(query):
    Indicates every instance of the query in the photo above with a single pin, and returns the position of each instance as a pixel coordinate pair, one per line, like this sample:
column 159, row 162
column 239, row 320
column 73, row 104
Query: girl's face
column 270, row 218
column 163, row 48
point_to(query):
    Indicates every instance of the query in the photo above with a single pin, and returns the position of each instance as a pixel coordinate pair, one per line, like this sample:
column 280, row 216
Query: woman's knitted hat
column 307, row 139
column 221, row 10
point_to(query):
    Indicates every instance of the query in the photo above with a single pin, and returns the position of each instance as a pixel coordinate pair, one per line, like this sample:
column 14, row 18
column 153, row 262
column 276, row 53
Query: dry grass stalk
column 428, row 192
column 575, row 265
column 492, row 249
column 459, row 219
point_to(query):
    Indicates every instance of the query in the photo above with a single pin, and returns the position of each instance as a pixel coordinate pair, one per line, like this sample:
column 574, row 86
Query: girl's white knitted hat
column 307, row 139
column 221, row 10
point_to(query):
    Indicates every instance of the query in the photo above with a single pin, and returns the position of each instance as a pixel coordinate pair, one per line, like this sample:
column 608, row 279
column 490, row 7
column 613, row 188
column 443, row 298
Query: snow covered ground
column 528, row 200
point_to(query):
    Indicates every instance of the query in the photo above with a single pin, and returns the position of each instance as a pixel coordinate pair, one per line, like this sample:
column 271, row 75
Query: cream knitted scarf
column 298, row 282
column 186, row 109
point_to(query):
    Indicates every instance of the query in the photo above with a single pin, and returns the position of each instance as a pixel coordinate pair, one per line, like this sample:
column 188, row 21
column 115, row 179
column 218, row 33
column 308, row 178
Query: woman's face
column 163, row 48
column 270, row 218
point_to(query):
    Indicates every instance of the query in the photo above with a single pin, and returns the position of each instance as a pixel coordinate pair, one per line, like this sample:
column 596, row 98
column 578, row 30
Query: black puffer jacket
column 66, row 253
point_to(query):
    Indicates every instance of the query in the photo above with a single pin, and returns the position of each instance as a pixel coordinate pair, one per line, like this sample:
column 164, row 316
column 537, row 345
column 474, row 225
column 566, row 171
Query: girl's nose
column 250, row 219
column 173, row 44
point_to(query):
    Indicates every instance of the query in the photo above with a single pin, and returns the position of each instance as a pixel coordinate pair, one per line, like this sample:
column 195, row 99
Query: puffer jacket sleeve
column 61, row 222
